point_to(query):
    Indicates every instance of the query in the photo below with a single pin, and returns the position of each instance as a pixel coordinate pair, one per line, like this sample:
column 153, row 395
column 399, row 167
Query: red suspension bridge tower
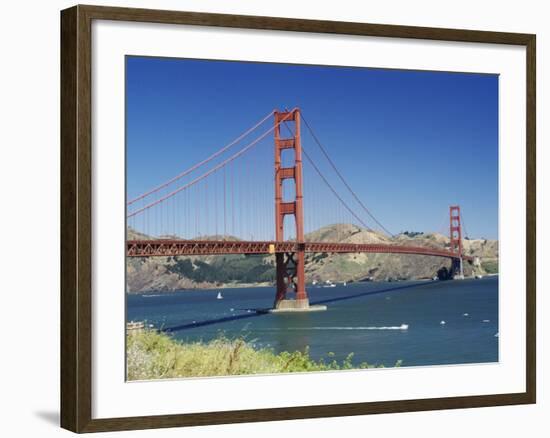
column 289, row 265
column 457, row 268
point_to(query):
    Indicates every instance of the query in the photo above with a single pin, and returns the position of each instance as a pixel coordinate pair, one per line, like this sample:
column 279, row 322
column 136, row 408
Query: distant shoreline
column 266, row 285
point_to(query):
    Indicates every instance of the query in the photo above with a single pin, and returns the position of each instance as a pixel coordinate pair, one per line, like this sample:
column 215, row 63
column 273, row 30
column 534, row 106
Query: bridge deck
column 166, row 247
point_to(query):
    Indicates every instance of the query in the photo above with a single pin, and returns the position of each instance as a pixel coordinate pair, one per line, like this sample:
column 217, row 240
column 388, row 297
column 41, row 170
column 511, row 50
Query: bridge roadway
column 178, row 247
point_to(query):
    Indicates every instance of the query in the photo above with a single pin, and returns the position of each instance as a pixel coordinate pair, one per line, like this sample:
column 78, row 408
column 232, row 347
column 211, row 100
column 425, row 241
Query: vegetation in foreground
column 153, row 355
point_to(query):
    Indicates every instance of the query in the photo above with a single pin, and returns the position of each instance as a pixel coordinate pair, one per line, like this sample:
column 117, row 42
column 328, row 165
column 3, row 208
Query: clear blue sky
column 410, row 143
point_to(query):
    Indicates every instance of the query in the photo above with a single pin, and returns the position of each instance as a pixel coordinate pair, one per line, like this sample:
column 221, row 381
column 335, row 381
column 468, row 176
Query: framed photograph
column 268, row 218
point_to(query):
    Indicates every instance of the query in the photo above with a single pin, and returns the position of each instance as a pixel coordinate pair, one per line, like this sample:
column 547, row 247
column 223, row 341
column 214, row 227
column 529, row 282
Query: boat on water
column 219, row 296
column 329, row 283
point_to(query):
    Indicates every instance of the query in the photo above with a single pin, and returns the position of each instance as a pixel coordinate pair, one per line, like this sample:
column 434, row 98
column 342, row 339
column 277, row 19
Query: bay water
column 381, row 323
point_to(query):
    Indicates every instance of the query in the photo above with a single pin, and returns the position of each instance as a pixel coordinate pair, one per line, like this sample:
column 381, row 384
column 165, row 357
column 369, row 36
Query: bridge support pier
column 457, row 269
column 291, row 278
column 291, row 275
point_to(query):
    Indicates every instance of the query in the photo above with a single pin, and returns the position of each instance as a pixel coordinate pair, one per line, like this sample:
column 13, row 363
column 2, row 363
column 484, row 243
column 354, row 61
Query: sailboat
column 219, row 297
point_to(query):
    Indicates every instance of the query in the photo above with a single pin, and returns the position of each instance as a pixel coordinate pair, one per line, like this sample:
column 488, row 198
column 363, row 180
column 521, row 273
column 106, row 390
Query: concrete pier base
column 292, row 306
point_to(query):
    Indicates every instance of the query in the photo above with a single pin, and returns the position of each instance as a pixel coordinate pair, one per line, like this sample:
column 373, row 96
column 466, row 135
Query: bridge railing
column 167, row 247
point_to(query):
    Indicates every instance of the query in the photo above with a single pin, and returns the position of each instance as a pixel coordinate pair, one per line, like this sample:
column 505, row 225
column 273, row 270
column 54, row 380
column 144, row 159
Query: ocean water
column 380, row 323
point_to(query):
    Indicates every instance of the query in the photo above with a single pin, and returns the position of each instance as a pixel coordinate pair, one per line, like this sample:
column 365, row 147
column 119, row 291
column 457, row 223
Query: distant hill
column 175, row 273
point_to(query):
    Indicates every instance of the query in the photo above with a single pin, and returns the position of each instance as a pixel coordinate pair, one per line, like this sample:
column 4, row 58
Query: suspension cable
column 328, row 184
column 463, row 224
column 211, row 171
column 342, row 178
column 334, row 191
column 206, row 160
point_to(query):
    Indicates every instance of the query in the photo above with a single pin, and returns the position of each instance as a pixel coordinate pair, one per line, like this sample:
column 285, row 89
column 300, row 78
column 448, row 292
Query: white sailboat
column 219, row 297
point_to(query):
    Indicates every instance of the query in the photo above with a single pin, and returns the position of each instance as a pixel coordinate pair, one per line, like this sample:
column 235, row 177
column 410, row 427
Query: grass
column 154, row 355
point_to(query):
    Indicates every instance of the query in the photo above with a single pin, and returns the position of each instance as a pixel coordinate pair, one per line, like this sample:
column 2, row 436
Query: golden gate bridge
column 243, row 193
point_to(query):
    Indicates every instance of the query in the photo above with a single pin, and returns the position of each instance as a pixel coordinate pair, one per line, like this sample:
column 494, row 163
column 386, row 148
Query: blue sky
column 410, row 143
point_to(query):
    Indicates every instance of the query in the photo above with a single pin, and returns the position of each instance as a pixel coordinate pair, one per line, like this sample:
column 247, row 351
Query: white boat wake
column 393, row 327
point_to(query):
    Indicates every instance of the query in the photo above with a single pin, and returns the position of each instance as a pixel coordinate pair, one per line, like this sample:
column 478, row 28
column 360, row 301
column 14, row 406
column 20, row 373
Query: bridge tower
column 289, row 266
column 457, row 269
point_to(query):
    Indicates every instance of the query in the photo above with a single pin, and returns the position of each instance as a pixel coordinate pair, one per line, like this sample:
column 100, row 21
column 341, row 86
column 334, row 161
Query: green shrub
column 154, row 355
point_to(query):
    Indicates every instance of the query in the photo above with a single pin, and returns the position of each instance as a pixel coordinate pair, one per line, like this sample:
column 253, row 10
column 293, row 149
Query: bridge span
column 178, row 247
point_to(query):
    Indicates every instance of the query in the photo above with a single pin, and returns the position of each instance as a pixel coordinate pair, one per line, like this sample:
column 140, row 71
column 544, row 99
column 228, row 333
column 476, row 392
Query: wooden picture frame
column 76, row 217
